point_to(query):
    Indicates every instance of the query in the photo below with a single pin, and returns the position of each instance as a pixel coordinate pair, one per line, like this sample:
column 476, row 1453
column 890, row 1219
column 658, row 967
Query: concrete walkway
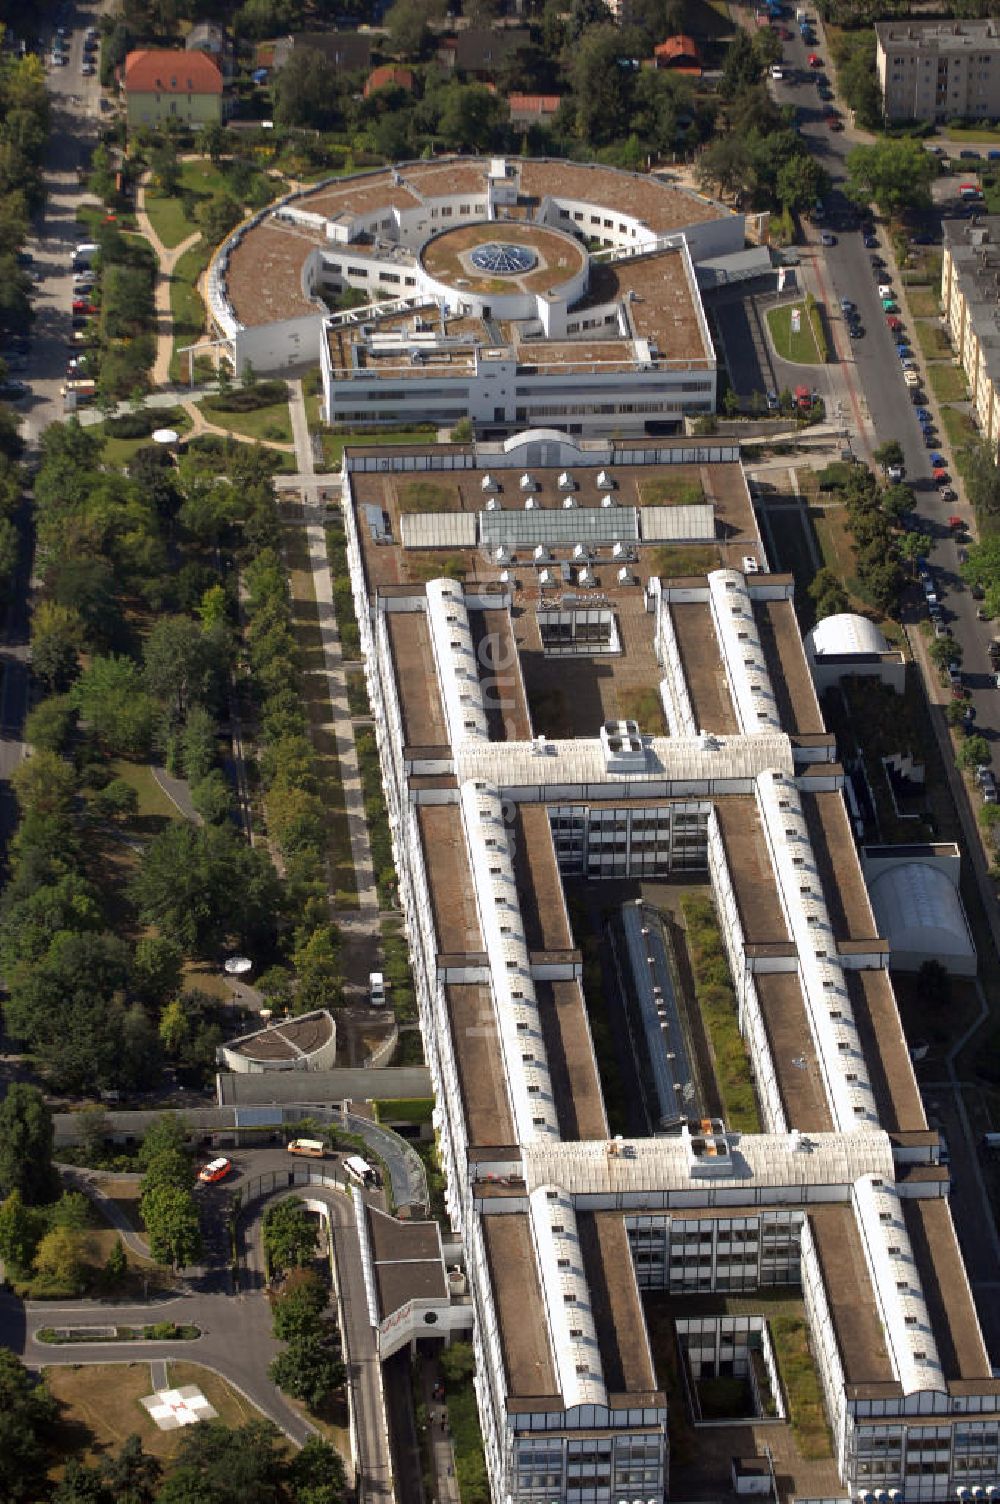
column 168, row 259
column 439, row 1440
column 333, row 663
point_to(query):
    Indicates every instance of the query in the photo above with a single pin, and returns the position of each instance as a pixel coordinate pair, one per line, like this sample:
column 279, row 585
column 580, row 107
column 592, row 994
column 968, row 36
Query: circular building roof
column 918, row 910
column 529, row 257
column 845, row 635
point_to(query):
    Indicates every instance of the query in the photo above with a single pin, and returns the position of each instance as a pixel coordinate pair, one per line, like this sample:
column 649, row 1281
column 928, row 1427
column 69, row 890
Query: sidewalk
column 333, row 663
column 168, row 259
column 439, row 1443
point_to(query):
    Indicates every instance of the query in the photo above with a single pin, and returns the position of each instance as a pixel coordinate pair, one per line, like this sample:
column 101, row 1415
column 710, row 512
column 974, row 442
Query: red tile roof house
column 388, row 76
column 171, row 84
column 528, row 109
column 680, row 54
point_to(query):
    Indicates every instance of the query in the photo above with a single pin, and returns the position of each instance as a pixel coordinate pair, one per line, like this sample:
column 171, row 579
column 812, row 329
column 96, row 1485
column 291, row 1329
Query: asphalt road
column 236, row 1338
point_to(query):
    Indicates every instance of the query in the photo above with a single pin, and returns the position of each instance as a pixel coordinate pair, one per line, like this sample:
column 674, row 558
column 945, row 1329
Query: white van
column 376, row 989
column 84, row 254
column 313, row 1147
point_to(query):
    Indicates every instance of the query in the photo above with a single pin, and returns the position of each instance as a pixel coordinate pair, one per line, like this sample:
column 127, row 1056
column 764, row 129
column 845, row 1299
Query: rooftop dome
column 845, row 634
column 920, row 913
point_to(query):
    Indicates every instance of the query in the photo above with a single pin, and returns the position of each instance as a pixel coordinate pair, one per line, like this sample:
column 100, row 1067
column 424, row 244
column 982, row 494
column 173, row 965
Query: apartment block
column 939, row 70
column 970, row 297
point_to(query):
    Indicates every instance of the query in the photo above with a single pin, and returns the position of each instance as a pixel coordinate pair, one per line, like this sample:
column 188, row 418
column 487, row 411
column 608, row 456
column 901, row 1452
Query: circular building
column 522, row 293
column 307, row 1043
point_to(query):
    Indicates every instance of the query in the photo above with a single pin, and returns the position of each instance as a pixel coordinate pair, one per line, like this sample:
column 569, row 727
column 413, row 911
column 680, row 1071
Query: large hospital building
column 525, row 606
column 518, row 293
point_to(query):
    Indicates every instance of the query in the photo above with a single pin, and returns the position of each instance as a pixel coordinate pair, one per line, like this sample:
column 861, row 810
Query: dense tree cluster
column 166, row 1200
column 214, row 1464
column 875, row 517
column 310, row 1367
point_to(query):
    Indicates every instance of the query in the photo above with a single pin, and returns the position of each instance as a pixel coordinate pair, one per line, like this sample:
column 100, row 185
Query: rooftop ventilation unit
column 528, row 482
column 581, row 552
column 607, row 501
column 625, row 576
column 621, row 551
column 569, row 502
column 530, row 504
column 541, row 554
column 488, row 483
column 566, row 481
column 493, row 505
column 605, row 481
column 546, row 579
column 586, row 578
column 502, row 555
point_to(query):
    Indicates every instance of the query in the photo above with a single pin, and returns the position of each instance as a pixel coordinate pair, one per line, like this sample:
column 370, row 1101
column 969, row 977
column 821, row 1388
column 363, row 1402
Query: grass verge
column 268, row 425
column 170, row 224
column 467, row 1440
column 923, row 302
column 932, row 339
column 798, row 346
column 947, row 383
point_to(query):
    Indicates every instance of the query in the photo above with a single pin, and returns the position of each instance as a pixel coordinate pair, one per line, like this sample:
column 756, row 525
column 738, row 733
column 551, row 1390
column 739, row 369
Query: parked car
column 894, row 322
column 970, row 156
column 814, row 61
column 896, row 473
column 216, row 1169
column 949, row 495
column 870, row 241
column 827, row 239
column 939, row 462
column 912, row 378
column 13, row 391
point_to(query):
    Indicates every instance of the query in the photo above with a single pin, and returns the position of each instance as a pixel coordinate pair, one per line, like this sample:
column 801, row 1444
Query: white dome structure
column 919, row 912
column 845, row 634
column 851, row 644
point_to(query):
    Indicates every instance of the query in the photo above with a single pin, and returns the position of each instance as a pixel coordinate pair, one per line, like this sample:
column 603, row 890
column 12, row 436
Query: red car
column 815, row 61
column 894, row 322
column 941, row 477
column 82, row 305
column 834, row 122
column 957, row 524
column 216, row 1169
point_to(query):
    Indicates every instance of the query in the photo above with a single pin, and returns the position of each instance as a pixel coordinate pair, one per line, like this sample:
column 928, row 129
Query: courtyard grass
column 677, row 560
column 797, row 1368
column 333, row 443
column 166, row 215
column 799, row 347
column 947, row 382
column 716, row 1000
column 271, row 424
column 958, row 426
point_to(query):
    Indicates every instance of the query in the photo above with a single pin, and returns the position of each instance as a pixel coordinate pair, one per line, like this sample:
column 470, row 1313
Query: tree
column 302, row 92
column 111, row 698
column 217, row 1465
column 219, row 214
column 300, row 1303
column 895, row 172
column 27, row 1415
column 118, row 800
column 133, row 1475
column 198, row 744
column 21, row 1227
column 407, row 23
column 944, row 651
column 934, row 986
column 58, row 1263
column 50, row 726
column 26, row 1145
column 601, row 86
column 81, row 1484
column 181, row 664
column 469, row 117
column 800, row 182
column 169, row 1167
column 914, row 546
column 290, row 1234
column 317, row 963
column 202, row 885
column 44, row 784
column 897, row 501
column 316, row 1474
column 56, row 635
column 742, row 66
column 212, row 798
column 156, row 970
column 116, row 1264
column 165, row 167
column 727, row 165
column 457, row 1364
column 827, row 594
column 166, row 1134
column 973, row 752
column 308, row 1370
column 171, row 1219
column 888, row 454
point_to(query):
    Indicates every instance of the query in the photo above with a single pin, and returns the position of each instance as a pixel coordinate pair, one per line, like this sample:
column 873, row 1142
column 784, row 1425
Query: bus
column 361, row 1171
column 313, row 1147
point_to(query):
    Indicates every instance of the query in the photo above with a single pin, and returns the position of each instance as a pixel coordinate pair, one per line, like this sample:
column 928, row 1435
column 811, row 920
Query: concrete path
column 168, row 259
column 439, row 1437
column 333, row 662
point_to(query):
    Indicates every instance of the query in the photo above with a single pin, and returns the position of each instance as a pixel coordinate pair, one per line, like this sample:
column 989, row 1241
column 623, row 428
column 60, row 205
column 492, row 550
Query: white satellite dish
column 237, row 966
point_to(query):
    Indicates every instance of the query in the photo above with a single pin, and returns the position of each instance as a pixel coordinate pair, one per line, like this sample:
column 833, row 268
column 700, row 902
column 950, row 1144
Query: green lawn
column 931, row 339
column 948, row 383
column 958, row 427
column 800, row 348
column 186, row 307
column 970, row 133
column 267, row 424
column 199, row 175
column 153, row 802
column 119, row 452
column 333, row 443
column 798, row 1375
column 168, row 219
column 923, row 302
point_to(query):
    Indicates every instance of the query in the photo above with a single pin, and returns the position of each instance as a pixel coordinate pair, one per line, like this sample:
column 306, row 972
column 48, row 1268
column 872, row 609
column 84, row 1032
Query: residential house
column 680, row 54
column 939, row 70
column 533, row 109
column 389, row 76
column 481, row 51
column 171, row 84
column 347, row 51
column 213, row 39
